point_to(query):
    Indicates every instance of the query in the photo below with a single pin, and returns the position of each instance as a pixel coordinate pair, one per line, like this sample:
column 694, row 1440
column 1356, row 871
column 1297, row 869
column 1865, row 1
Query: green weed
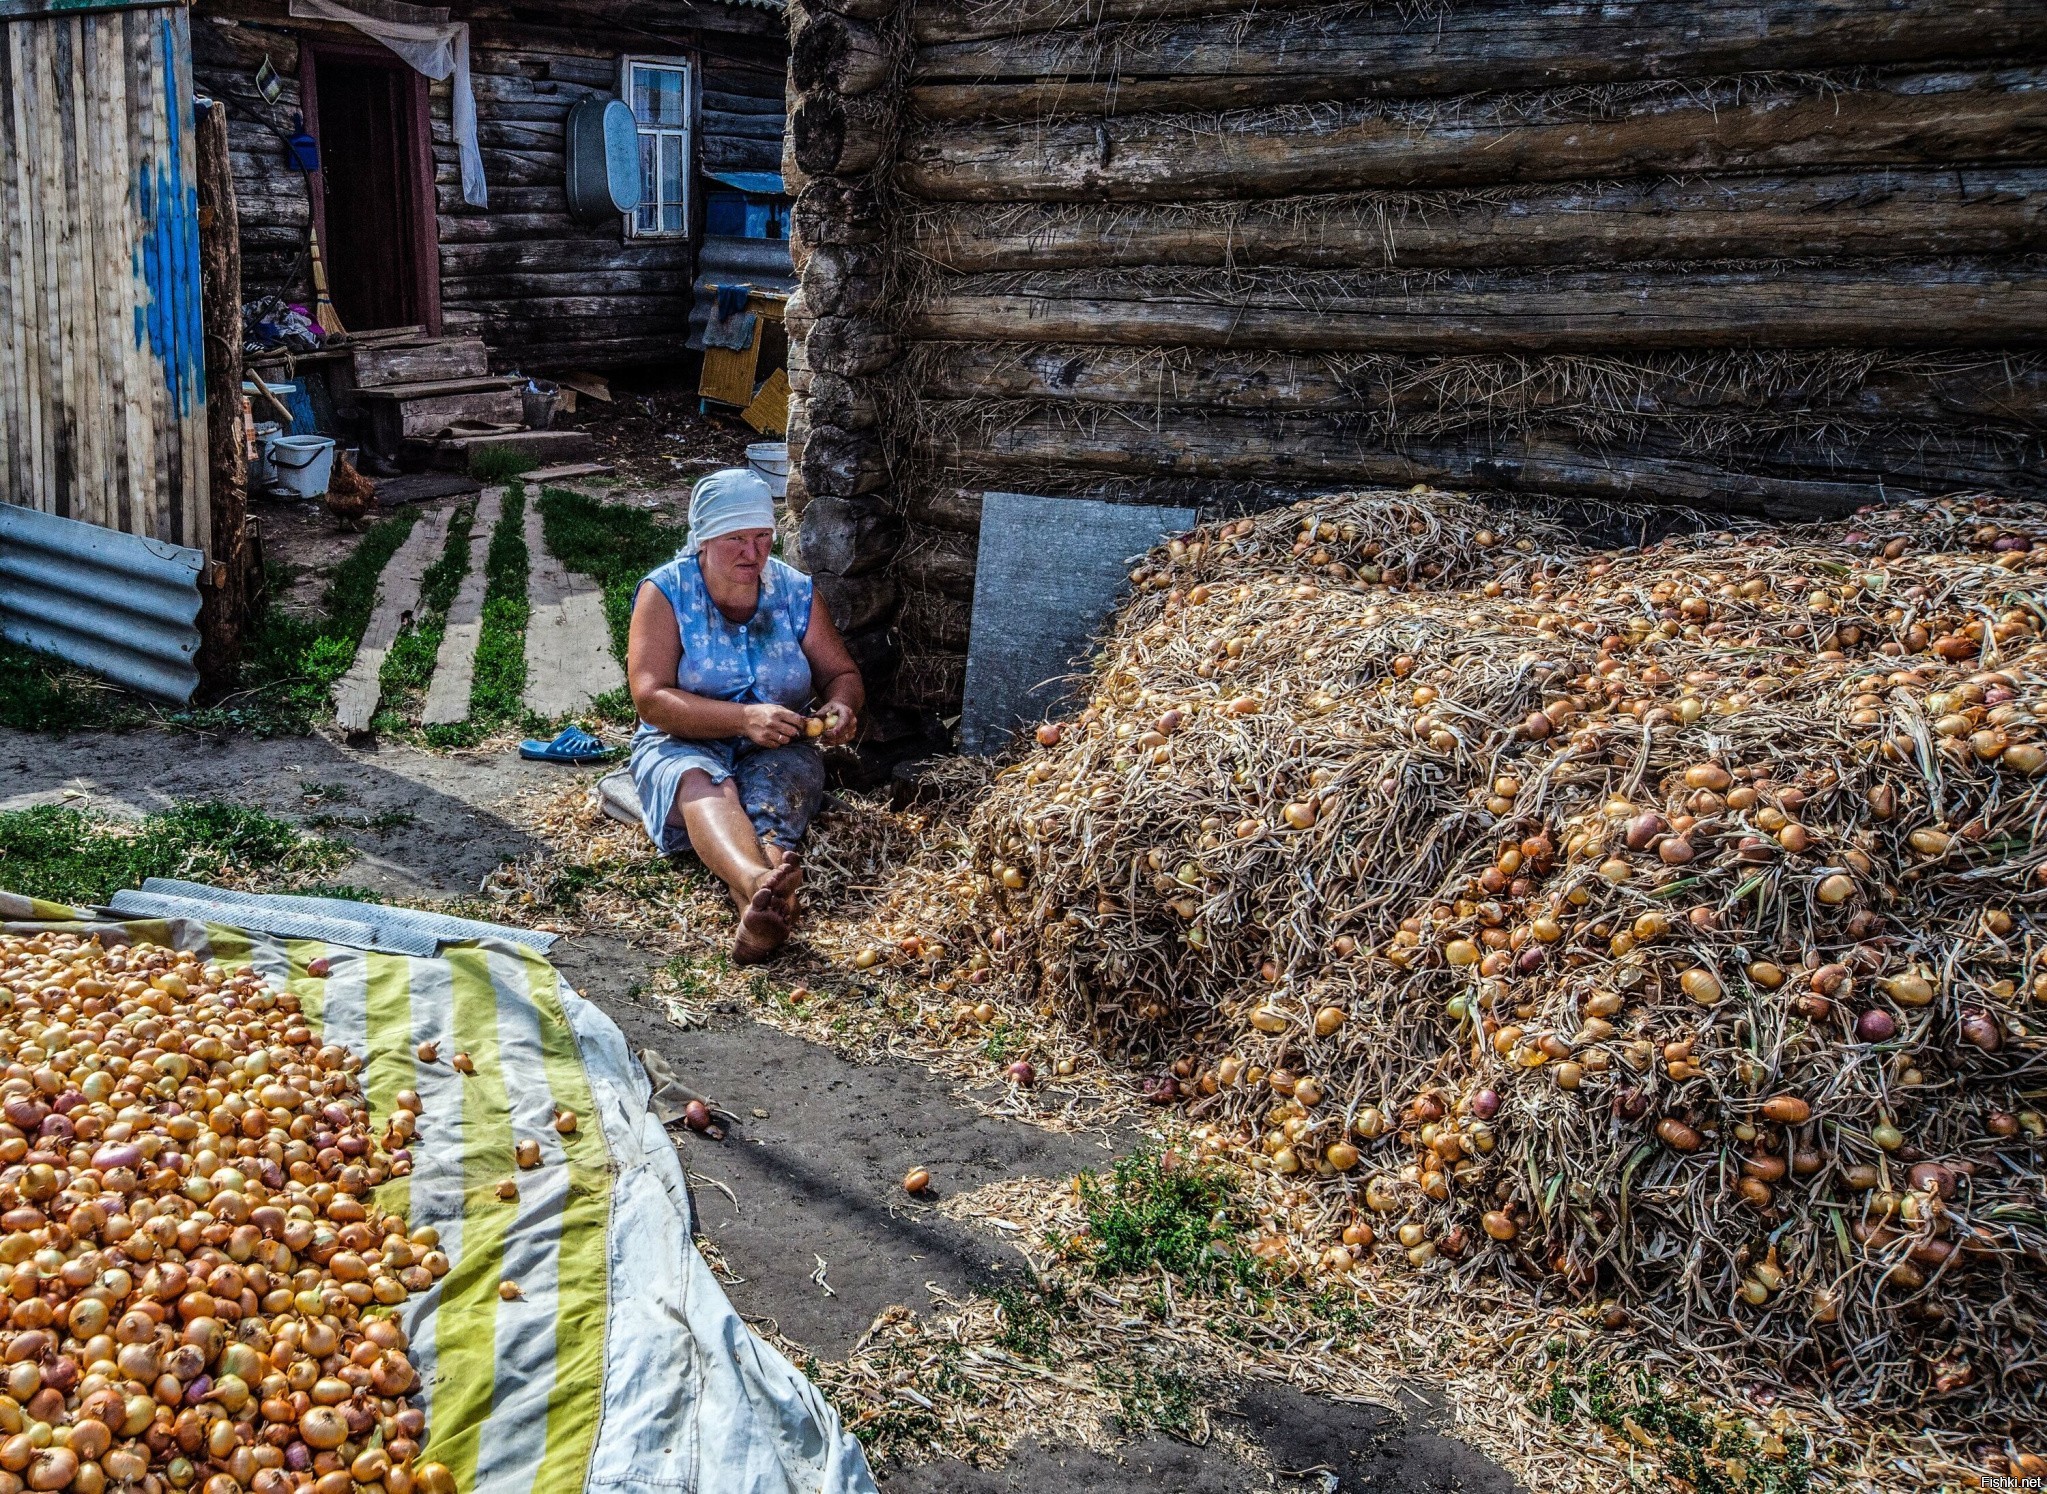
column 1722, row 1459
column 1177, row 1220
column 68, row 856
column 1029, row 1315
column 495, row 464
column 1152, row 1399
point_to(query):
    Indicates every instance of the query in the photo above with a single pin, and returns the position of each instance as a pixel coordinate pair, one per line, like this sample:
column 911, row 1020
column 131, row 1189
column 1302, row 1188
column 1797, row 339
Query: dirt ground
column 654, row 436
column 813, row 1167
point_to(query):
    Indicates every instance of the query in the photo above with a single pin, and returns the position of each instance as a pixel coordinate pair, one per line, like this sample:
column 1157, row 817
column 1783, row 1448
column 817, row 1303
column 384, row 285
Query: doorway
column 373, row 197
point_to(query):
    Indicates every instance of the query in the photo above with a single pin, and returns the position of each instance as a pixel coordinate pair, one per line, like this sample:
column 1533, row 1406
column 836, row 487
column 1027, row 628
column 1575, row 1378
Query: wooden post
column 230, row 580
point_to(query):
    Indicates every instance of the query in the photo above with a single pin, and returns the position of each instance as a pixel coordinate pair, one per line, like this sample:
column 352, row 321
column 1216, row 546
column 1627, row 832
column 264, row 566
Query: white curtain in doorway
column 437, row 48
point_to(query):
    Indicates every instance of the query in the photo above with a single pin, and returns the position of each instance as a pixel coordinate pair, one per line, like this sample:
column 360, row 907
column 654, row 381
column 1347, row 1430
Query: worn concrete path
column 568, row 642
column 356, row 695
column 447, row 698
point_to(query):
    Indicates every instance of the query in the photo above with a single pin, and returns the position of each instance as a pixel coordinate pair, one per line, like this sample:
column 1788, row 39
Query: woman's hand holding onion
column 771, row 725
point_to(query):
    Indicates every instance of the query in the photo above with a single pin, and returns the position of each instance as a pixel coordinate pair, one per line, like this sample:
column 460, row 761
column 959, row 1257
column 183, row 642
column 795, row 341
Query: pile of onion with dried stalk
column 1658, row 927
column 192, row 1263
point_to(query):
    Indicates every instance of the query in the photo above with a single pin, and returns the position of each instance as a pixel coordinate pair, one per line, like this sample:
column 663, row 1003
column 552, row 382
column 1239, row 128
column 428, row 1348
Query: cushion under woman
column 729, row 647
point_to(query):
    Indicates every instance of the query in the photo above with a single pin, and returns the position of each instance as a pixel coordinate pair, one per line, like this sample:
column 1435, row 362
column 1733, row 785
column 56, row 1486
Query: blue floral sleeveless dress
column 759, row 661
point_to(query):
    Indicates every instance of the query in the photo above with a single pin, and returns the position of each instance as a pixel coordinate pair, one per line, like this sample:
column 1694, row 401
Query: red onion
column 1981, row 1030
column 1021, row 1073
column 1932, row 1177
column 1485, row 1104
column 1876, row 1026
column 697, row 1115
column 298, row 1457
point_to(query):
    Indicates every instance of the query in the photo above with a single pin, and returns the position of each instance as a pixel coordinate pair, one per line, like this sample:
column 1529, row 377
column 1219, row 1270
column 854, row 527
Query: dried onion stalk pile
column 191, row 1259
column 1657, row 927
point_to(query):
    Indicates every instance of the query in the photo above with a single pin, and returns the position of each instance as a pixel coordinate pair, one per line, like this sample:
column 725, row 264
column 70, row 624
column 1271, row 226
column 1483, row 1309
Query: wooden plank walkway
column 447, row 698
column 356, row 694
column 569, row 662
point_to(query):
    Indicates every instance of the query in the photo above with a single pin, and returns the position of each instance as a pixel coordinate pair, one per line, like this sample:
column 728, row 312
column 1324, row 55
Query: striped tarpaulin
column 621, row 1366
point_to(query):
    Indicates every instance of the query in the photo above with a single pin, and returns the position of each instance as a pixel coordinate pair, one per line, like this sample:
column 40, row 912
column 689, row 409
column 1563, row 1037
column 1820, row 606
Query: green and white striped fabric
column 621, row 1366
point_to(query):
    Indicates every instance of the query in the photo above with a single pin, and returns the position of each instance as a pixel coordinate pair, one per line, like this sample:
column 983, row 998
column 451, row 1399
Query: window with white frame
column 657, row 89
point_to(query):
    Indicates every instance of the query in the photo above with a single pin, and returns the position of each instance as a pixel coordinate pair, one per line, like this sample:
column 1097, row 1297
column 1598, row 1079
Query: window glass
column 658, row 93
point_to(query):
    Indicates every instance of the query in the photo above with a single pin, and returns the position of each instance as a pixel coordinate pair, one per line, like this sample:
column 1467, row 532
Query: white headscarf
column 727, row 502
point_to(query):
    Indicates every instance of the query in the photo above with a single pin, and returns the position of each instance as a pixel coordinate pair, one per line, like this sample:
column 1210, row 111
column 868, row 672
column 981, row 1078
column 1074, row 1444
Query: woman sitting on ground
column 729, row 647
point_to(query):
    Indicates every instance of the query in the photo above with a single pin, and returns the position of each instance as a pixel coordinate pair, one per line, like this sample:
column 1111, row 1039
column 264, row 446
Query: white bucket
column 771, row 460
column 261, row 474
column 302, row 464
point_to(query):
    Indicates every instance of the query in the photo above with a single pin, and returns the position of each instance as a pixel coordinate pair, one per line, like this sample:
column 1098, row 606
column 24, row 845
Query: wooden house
column 1769, row 259
column 334, row 133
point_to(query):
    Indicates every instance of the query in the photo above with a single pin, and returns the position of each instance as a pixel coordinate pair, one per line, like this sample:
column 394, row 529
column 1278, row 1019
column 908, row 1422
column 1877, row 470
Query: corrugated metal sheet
column 117, row 604
column 102, row 369
column 761, row 263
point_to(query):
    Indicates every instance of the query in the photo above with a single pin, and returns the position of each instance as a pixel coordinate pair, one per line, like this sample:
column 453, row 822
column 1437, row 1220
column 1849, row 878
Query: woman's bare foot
column 786, row 878
column 761, row 928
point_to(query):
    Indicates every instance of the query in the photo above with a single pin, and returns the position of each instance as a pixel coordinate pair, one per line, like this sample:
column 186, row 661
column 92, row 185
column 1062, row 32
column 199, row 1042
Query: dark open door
column 373, row 198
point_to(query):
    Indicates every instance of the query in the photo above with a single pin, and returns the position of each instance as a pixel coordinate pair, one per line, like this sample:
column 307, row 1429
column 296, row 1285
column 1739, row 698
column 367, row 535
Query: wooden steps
column 423, row 409
column 417, row 359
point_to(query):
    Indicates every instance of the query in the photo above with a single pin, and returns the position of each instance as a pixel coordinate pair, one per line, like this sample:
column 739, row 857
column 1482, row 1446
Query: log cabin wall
column 541, row 289
column 1769, row 258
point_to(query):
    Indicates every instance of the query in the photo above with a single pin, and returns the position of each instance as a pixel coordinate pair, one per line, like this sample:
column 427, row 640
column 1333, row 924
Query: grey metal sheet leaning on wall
column 1051, row 571
column 117, row 604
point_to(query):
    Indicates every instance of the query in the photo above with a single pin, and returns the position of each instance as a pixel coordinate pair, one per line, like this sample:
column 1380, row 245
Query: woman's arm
column 833, row 674
column 653, row 653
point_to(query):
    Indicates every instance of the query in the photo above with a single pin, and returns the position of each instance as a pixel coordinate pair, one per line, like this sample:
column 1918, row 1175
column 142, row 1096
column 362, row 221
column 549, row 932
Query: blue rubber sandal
column 574, row 746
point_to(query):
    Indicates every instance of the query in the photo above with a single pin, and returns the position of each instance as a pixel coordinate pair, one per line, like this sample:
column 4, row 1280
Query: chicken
column 350, row 495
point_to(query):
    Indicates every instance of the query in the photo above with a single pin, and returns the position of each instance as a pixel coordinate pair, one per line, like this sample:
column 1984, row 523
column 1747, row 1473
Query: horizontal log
column 834, row 134
column 940, row 560
column 1235, row 58
column 934, row 21
column 834, row 212
column 859, row 10
column 847, row 404
column 842, row 464
column 504, row 198
column 842, row 280
column 744, row 103
column 1893, row 305
column 939, row 505
column 722, row 153
column 747, row 126
column 838, row 53
column 1325, row 452
column 660, row 287
column 1924, row 212
column 933, row 621
column 856, row 602
column 1421, row 395
column 850, row 347
column 1993, row 118
column 599, row 249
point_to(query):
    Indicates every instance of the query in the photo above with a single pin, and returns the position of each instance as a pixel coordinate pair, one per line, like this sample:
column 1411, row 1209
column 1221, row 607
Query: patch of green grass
column 614, row 544
column 68, row 856
column 1004, row 1038
column 39, row 693
column 497, row 690
column 496, row 464
column 1177, row 1219
column 1153, row 1399
column 326, row 793
column 409, row 666
column 1029, row 1314
column 1723, row 1459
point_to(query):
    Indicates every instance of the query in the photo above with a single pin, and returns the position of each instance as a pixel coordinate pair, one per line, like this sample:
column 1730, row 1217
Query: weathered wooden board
column 1049, row 573
column 102, row 373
